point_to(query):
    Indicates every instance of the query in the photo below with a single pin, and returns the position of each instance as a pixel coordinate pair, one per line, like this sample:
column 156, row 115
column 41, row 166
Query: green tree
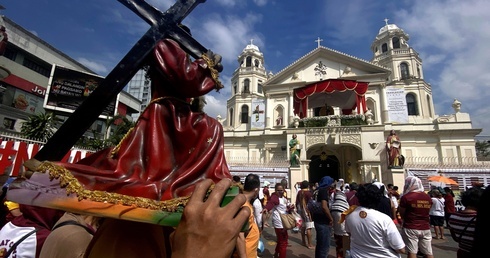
column 40, row 126
column 482, row 149
column 121, row 128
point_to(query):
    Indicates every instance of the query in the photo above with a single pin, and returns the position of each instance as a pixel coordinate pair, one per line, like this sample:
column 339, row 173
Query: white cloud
column 94, row 66
column 230, row 34
column 456, row 33
column 216, row 105
column 260, row 2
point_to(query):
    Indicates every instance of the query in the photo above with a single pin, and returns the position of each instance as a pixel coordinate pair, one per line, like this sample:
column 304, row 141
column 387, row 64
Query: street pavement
column 441, row 248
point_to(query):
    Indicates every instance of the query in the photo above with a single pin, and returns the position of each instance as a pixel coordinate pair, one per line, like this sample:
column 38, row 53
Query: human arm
column 197, row 234
column 274, row 200
column 240, row 245
column 326, row 210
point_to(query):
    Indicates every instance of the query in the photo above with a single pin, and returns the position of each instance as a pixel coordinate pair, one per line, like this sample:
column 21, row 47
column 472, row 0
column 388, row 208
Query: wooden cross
column 318, row 40
column 163, row 25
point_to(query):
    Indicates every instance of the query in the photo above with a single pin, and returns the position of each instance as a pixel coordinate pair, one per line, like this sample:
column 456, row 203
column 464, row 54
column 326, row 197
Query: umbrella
column 442, row 179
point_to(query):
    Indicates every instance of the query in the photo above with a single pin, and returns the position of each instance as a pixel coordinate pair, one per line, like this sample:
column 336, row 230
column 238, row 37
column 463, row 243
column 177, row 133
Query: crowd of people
column 361, row 219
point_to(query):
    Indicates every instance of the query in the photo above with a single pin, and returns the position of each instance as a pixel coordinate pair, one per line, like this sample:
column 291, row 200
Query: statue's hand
column 216, row 60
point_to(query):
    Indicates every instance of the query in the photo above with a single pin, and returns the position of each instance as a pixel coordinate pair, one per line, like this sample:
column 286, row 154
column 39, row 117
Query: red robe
column 171, row 147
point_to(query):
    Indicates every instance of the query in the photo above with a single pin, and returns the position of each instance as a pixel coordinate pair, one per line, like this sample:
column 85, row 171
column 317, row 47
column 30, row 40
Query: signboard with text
column 68, row 88
column 397, row 105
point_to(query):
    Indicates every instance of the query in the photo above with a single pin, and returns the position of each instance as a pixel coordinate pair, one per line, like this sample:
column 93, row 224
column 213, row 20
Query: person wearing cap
column 339, row 205
column 323, row 222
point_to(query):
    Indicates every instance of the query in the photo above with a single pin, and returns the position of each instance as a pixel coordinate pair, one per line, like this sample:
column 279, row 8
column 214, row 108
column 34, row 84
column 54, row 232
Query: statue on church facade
column 294, row 151
column 393, row 149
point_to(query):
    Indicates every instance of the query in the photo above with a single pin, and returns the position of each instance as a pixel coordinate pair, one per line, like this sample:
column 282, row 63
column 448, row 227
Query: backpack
column 314, row 206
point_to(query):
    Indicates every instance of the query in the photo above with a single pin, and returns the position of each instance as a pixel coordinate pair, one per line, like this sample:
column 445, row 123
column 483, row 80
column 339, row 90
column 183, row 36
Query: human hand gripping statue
column 171, row 152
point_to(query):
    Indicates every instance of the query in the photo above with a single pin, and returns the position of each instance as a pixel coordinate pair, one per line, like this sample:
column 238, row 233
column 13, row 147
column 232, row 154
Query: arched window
column 412, row 104
column 246, row 86
column 384, row 48
column 235, row 88
column 259, row 87
column 230, row 123
column 404, row 71
column 244, row 114
column 396, row 42
column 257, row 63
column 249, row 61
column 418, row 71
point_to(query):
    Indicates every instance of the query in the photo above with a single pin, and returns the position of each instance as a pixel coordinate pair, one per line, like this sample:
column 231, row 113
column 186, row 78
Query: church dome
column 388, row 27
column 251, row 47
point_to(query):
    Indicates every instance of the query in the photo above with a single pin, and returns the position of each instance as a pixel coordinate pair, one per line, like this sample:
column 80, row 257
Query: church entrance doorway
column 323, row 165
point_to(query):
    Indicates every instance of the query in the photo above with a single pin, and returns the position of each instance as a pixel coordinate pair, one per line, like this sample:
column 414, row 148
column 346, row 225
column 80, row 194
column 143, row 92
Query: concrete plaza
column 441, row 248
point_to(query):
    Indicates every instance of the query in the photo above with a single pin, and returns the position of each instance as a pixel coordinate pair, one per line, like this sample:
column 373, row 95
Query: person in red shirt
column 449, row 207
column 351, row 195
column 414, row 210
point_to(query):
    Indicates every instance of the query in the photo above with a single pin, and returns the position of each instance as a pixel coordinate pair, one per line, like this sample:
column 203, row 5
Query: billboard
column 258, row 114
column 68, row 88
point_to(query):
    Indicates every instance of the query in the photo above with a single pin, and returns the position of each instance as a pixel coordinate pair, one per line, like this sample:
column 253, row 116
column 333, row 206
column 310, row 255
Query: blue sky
column 451, row 37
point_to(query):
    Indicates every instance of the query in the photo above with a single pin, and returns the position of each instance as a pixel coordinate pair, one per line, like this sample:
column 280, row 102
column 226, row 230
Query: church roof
column 320, row 49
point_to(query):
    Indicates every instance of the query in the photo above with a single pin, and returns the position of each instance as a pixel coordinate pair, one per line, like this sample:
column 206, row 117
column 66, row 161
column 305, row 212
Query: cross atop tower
column 251, row 41
column 386, row 21
column 318, row 40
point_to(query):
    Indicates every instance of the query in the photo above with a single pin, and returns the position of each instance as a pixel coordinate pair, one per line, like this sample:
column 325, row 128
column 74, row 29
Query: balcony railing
column 276, row 161
column 446, row 162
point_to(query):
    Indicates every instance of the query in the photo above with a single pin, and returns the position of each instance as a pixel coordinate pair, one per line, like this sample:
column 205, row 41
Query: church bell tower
column 246, row 85
column 390, row 49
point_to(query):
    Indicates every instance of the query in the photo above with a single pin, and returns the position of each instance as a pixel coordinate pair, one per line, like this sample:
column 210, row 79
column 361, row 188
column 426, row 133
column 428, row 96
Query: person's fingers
column 216, row 196
column 241, row 217
column 200, row 191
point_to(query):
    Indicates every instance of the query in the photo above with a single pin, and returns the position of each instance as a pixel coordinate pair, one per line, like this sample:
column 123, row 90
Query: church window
column 231, row 117
column 235, row 88
column 384, row 48
column 246, row 86
column 248, row 61
column 418, row 71
column 244, row 114
column 396, row 42
column 412, row 105
column 404, row 71
column 257, row 63
column 260, row 87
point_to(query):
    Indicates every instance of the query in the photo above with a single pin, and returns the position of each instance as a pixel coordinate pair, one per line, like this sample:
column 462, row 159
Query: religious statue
column 294, row 151
column 369, row 116
column 279, row 120
column 173, row 147
column 393, row 149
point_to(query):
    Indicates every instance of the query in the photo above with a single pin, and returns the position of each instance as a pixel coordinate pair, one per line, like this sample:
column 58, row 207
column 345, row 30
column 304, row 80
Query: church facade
column 341, row 110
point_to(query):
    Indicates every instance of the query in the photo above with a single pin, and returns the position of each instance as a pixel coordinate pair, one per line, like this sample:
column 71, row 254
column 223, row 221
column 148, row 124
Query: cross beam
column 163, row 25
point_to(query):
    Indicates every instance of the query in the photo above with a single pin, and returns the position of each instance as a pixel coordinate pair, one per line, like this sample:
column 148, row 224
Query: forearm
column 240, row 246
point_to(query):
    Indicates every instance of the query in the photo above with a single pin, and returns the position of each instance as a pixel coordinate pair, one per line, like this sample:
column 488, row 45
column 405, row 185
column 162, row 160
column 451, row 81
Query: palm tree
column 40, row 126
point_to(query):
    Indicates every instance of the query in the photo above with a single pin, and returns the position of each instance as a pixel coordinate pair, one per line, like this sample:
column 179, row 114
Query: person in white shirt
column 373, row 233
column 436, row 213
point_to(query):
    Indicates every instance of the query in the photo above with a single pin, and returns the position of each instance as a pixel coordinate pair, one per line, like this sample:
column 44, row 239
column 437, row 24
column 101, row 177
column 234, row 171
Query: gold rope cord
column 68, row 181
column 214, row 72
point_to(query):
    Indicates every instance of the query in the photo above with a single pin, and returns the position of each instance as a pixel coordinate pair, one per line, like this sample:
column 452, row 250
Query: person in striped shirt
column 462, row 223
